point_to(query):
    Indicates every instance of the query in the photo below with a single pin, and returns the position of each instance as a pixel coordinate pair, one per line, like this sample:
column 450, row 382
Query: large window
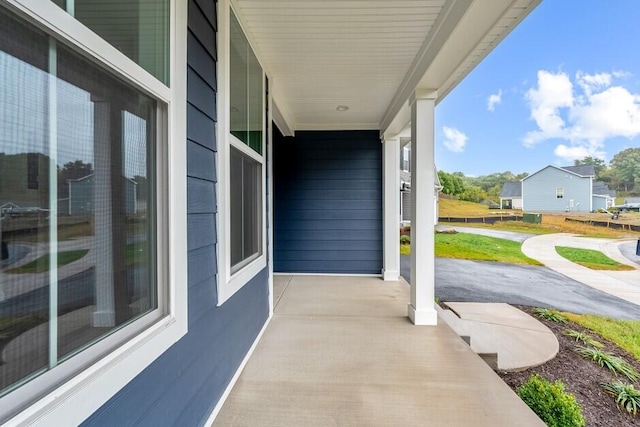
column 246, row 148
column 83, row 148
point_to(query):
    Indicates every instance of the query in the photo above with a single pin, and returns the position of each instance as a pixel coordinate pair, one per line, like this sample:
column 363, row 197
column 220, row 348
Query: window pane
column 24, row 201
column 137, row 28
column 246, row 209
column 247, row 106
column 239, row 89
column 256, row 106
column 236, row 207
column 76, row 187
column 251, row 189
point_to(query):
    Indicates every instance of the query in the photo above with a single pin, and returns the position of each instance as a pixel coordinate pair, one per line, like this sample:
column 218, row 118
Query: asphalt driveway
column 477, row 281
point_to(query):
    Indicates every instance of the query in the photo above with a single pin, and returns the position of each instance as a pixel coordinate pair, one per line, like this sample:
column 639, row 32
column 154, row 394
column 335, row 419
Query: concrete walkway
column 622, row 284
column 516, row 340
column 500, row 234
column 340, row 351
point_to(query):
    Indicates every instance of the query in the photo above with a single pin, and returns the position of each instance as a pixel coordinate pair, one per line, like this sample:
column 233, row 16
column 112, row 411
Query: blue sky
column 563, row 85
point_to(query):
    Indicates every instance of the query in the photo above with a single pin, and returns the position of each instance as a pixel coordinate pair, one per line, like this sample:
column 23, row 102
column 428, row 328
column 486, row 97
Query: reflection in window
column 246, row 208
column 137, row 28
column 247, row 107
column 77, row 216
column 247, row 123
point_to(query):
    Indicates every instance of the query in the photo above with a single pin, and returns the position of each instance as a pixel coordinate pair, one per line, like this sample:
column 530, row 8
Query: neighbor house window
column 82, row 149
column 559, row 193
column 246, row 149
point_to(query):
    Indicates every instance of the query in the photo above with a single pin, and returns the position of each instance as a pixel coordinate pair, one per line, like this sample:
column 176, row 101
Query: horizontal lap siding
column 328, row 202
column 183, row 385
column 539, row 191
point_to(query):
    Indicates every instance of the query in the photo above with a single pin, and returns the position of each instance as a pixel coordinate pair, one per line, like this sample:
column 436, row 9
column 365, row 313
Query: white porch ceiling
column 369, row 55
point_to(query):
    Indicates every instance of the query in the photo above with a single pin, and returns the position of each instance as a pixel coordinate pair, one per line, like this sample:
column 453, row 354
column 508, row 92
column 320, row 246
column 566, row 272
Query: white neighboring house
column 565, row 189
column 405, row 184
column 511, row 195
column 82, row 194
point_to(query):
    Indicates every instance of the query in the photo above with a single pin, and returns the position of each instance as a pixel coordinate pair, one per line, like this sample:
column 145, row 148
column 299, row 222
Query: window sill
column 239, row 279
column 79, row 397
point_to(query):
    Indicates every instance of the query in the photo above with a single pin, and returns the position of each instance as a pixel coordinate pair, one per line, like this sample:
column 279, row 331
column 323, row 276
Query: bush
column 551, row 403
column 405, row 240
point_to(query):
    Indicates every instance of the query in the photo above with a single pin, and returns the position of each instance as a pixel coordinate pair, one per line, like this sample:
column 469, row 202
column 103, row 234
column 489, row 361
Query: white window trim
column 228, row 283
column 80, row 396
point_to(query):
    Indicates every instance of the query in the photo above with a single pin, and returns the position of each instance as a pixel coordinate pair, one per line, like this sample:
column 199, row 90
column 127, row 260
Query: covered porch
column 340, row 351
column 366, row 66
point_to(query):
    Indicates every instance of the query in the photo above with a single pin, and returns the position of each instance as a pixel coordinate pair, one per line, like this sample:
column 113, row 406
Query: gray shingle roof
column 511, row 189
column 602, row 189
column 632, row 200
column 583, row 170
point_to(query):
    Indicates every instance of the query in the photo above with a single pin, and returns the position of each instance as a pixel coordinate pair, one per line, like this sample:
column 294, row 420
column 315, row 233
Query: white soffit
column 362, row 53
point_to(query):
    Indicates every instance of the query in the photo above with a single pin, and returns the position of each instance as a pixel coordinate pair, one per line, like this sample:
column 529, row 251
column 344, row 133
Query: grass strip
column 592, row 259
column 480, row 248
column 623, row 333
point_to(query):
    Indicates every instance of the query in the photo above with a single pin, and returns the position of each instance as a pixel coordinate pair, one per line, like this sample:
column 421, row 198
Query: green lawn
column 480, row 248
column 41, row 265
column 590, row 258
column 135, row 253
column 624, row 333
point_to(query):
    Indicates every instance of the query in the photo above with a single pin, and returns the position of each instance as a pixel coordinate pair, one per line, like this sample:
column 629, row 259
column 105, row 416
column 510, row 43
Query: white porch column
column 421, row 307
column 391, row 208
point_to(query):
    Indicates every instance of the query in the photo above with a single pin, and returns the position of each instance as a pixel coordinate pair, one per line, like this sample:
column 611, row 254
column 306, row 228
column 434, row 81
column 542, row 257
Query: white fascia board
column 337, row 126
column 483, row 27
column 447, row 21
column 282, row 119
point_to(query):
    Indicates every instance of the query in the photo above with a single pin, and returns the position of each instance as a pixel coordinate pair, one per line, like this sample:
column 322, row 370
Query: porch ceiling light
column 342, row 108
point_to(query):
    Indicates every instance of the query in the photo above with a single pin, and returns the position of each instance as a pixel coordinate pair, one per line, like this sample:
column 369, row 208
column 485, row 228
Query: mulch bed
column 581, row 377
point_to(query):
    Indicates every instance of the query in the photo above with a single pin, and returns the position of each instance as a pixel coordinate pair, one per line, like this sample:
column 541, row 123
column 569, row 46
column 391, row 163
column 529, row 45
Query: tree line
column 621, row 174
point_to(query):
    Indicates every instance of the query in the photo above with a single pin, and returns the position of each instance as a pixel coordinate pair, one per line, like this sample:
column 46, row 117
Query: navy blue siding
column 328, row 202
column 183, row 385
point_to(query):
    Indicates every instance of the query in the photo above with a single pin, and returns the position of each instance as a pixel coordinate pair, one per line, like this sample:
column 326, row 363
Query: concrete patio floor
column 340, row 351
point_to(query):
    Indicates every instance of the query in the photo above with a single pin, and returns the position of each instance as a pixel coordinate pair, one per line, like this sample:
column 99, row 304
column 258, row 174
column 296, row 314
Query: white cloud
column 571, row 153
column 584, row 114
column 493, row 100
column 554, row 92
column 591, row 82
column 454, row 139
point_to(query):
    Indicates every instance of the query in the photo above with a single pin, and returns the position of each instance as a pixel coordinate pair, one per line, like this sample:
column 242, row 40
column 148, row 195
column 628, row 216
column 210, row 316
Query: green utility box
column 532, row 218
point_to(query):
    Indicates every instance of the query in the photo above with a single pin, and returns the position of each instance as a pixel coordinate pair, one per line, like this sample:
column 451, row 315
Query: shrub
column 551, row 315
column 613, row 363
column 582, row 337
column 405, row 240
column 551, row 403
column 626, row 395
